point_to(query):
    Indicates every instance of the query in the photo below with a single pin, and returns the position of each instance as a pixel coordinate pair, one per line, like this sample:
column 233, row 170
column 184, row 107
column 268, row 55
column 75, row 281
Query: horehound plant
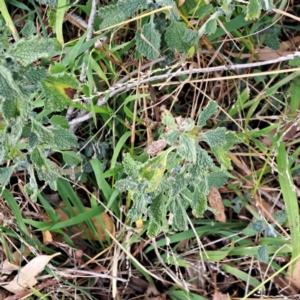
column 30, row 99
column 165, row 186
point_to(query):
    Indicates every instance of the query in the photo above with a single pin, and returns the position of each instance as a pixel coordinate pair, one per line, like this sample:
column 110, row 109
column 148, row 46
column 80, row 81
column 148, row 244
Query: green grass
column 259, row 104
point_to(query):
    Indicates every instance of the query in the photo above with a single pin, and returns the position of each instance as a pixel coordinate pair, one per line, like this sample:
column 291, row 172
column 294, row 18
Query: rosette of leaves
column 181, row 176
column 27, row 137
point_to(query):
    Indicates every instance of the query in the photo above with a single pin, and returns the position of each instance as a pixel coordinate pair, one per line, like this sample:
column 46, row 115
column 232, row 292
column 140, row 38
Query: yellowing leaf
column 26, row 276
column 107, row 222
column 59, row 90
column 153, row 170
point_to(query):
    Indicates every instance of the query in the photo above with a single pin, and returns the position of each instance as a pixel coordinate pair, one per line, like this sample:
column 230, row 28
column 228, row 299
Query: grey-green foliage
column 172, row 32
column 26, row 139
column 179, row 177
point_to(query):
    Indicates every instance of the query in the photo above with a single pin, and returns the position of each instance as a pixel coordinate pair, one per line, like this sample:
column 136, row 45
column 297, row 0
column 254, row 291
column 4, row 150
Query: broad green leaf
column 110, row 15
column 49, row 176
column 199, row 203
column 59, row 121
column 129, row 7
column 210, row 26
column 217, row 179
column 44, row 134
column 156, row 215
column 253, row 10
column 171, row 137
column 71, row 158
column 174, row 37
column 272, row 41
column 10, row 109
column 168, row 120
column 5, row 174
column 187, row 148
column 148, row 41
column 203, row 11
column 263, row 253
column 64, row 138
column 29, row 29
column 190, row 37
column 131, row 167
column 215, row 137
column 204, row 161
column 173, row 14
column 210, row 110
column 222, row 157
column 280, row 217
column 37, row 158
column 179, row 215
column 58, row 91
column 8, row 88
column 29, row 50
column 258, row 226
column 35, row 74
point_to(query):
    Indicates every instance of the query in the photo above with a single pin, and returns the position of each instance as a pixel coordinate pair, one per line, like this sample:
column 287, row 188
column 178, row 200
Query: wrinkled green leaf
column 148, row 41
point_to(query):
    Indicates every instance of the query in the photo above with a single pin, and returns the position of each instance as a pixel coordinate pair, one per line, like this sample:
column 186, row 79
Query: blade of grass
column 241, row 275
column 118, row 148
column 289, row 197
column 15, row 208
column 8, row 20
column 62, row 7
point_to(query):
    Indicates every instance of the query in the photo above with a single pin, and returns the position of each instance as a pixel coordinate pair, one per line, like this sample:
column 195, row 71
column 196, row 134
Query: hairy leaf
column 174, row 37
column 8, row 88
column 56, row 89
column 203, row 11
column 28, row 50
column 217, row 179
column 199, row 204
column 5, row 174
column 148, row 41
column 171, row 137
column 63, row 138
column 187, row 149
column 168, row 120
column 59, row 121
column 253, row 10
column 129, row 7
column 71, row 158
column 131, row 167
column 35, row 74
column 29, row 29
column 210, row 26
column 173, row 14
column 110, row 15
column 179, row 215
column 48, row 175
column 37, row 158
column 215, row 137
column 44, row 134
column 210, row 110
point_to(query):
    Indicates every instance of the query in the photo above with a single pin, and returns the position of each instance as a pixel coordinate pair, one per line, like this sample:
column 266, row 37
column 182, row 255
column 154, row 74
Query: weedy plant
column 27, row 137
column 180, row 176
column 168, row 29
